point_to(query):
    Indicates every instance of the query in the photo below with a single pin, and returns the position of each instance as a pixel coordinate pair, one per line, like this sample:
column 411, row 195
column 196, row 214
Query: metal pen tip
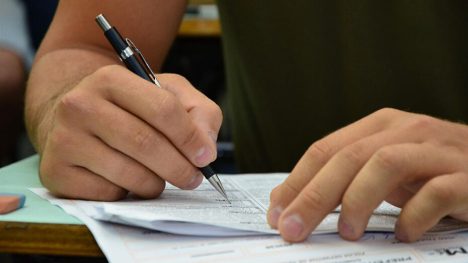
column 227, row 199
column 216, row 183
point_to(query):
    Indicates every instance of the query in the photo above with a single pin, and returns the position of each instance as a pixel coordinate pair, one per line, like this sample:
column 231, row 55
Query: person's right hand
column 116, row 133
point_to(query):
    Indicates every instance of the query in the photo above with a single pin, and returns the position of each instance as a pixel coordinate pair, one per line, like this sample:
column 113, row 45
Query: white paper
column 124, row 244
column 199, row 212
column 204, row 212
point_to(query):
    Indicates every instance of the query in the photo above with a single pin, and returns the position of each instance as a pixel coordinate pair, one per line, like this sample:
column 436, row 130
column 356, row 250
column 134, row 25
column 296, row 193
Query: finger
column 439, row 197
column 386, row 170
column 159, row 108
column 116, row 167
column 206, row 114
column 324, row 192
column 69, row 181
column 136, row 139
column 335, row 176
column 319, row 154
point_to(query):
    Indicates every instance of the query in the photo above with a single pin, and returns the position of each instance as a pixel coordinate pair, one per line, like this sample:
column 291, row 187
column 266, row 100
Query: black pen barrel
column 207, row 171
column 134, row 66
column 125, row 53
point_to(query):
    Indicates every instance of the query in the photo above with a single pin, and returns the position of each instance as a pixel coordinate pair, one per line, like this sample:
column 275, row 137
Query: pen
column 136, row 62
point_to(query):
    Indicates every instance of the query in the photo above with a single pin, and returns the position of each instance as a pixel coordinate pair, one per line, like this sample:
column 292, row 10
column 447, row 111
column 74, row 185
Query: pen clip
column 142, row 58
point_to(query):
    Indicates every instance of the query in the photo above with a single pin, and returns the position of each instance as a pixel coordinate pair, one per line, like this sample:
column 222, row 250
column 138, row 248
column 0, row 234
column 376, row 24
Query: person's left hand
column 413, row 161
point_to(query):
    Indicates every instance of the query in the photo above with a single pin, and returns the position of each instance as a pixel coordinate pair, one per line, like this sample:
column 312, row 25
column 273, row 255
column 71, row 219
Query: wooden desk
column 199, row 28
column 39, row 227
column 47, row 239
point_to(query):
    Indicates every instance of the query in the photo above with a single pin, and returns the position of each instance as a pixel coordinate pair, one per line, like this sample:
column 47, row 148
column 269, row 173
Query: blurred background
column 196, row 54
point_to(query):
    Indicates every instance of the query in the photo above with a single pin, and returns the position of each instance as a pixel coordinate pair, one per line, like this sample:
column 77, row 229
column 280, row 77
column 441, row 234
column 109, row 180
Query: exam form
column 203, row 212
column 250, row 240
column 125, row 244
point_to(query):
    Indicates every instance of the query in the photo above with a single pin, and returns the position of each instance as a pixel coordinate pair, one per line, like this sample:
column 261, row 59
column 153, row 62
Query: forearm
column 48, row 82
column 74, row 47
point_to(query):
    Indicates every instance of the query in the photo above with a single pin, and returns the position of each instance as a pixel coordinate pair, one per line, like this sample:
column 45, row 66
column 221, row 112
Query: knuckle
column 413, row 218
column 175, row 79
column 351, row 204
column 178, row 173
column 74, row 102
column 141, row 180
column 387, row 159
column 143, row 184
column 313, row 199
column 144, row 140
column 387, row 112
column 289, row 187
column 440, row 192
column 104, row 75
column 217, row 111
column 165, row 107
column 422, row 123
column 124, row 169
column 352, row 154
column 320, row 151
column 275, row 194
column 217, row 115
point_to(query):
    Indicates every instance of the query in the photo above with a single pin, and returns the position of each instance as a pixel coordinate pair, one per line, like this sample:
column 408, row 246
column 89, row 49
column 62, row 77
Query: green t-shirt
column 298, row 70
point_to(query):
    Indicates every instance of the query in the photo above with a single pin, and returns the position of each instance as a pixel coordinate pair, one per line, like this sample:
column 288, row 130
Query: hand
column 410, row 160
column 115, row 132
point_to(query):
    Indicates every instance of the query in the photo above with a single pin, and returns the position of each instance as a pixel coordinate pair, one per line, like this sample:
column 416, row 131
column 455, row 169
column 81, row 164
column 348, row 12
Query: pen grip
column 116, row 40
column 134, row 66
column 119, row 45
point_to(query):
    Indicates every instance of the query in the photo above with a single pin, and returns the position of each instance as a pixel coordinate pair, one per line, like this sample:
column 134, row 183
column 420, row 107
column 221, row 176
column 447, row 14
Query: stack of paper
column 212, row 229
column 204, row 212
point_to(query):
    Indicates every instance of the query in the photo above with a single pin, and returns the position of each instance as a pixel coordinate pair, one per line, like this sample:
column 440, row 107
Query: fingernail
column 273, row 216
column 203, row 156
column 292, row 227
column 400, row 234
column 346, row 229
column 195, row 182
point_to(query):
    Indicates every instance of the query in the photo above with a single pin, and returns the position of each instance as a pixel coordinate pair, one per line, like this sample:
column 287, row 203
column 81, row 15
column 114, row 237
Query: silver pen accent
column 216, row 183
column 213, row 178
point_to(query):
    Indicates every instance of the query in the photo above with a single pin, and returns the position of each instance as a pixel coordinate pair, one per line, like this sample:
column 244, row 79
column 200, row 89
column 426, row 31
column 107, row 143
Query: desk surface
column 200, row 28
column 39, row 227
column 204, row 24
